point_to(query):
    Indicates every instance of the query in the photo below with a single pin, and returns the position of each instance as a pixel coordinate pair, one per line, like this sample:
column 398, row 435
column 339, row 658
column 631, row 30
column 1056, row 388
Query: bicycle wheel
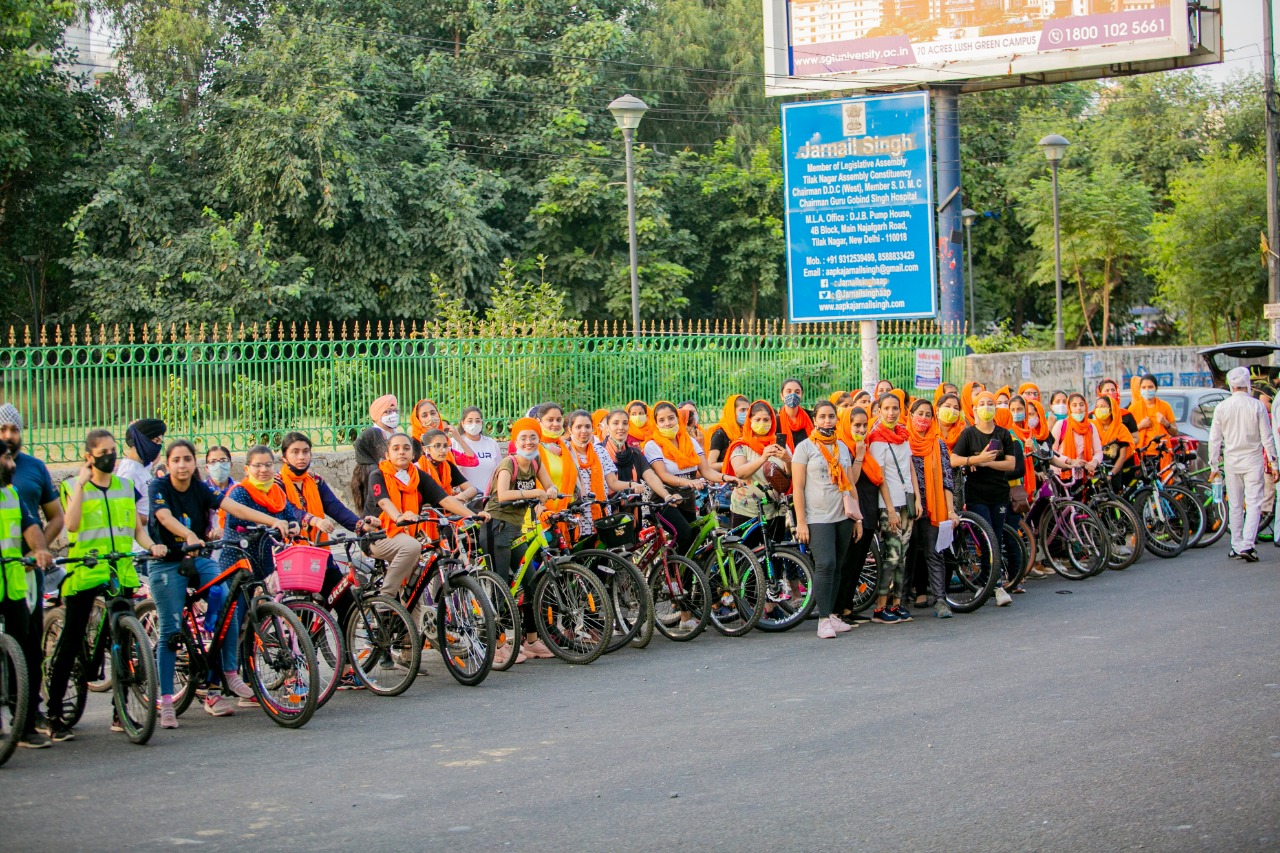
column 1124, row 533
column 628, row 593
column 1016, row 559
column 282, row 664
column 972, row 564
column 1086, row 539
column 77, row 694
column 467, row 630
column 383, row 645
column 864, row 590
column 737, row 588
column 326, row 638
column 97, row 617
column 1054, row 542
column 1196, row 518
column 1215, row 515
column 1164, row 522
column 681, row 598
column 1030, row 547
column 506, row 642
column 790, row 574
column 189, row 669
column 13, row 695
column 572, row 613
column 136, row 687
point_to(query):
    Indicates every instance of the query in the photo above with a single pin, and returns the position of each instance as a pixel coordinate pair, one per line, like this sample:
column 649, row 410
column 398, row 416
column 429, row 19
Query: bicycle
column 971, row 563
column 628, row 591
column 1168, row 529
column 574, row 617
column 14, row 697
column 1125, row 530
column 679, row 589
column 788, row 571
column 1069, row 533
column 276, row 654
column 115, row 637
column 1179, row 473
column 736, row 579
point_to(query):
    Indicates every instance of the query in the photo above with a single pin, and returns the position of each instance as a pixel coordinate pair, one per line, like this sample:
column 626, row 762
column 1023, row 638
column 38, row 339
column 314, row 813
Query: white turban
column 1238, row 377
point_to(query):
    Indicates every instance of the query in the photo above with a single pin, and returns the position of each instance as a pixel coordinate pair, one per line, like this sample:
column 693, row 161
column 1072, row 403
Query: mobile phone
column 993, row 445
column 780, row 439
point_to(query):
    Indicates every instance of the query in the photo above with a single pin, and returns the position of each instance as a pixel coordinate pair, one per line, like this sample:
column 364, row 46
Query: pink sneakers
column 826, row 631
column 536, row 649
column 839, row 625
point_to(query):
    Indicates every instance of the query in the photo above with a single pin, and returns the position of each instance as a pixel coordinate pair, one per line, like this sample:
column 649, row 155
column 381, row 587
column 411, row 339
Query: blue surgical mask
column 791, row 400
column 1019, row 417
column 220, row 471
column 742, row 418
column 528, row 455
column 1148, row 394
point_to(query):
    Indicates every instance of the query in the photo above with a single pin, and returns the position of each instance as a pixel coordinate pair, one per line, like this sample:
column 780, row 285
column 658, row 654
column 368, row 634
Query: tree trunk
column 1084, row 309
column 1106, row 299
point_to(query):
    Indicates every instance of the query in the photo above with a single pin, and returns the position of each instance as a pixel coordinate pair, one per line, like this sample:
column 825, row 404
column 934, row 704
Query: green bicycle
column 736, row 580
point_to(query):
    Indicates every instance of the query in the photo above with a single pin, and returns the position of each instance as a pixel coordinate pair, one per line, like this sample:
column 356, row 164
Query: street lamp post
column 627, row 112
column 969, row 216
column 1055, row 148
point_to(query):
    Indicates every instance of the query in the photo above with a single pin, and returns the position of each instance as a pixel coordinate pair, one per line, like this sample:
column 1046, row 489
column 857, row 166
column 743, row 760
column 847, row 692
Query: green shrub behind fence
column 245, row 386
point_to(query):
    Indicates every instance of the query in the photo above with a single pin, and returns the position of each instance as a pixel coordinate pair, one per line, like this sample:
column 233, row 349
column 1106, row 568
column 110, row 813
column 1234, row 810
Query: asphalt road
column 1142, row 711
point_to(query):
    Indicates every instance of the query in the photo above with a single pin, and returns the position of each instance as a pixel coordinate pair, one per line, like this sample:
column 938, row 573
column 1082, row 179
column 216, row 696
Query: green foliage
column 1003, row 339
column 264, row 412
column 181, row 408
column 340, row 392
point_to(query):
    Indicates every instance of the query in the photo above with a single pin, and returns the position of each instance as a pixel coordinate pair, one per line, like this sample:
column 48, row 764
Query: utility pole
column 1273, row 190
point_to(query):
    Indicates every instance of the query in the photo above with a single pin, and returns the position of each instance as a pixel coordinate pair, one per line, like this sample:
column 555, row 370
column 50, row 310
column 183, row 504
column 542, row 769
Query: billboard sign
column 826, row 45
column 859, row 209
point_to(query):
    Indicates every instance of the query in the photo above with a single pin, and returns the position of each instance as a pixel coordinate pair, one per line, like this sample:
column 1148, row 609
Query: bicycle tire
column 76, row 696
column 1027, row 534
column 135, row 690
column 1056, row 553
column 1015, row 574
column 1165, row 527
column 466, row 630
column 190, row 670
column 98, row 617
column 1215, row 517
column 800, row 567
column 1125, row 533
column 864, row 590
column 14, row 692
column 379, row 632
column 277, row 652
column 1090, row 539
column 1195, row 512
column 572, row 613
column 679, row 587
column 742, row 590
column 507, row 619
column 326, row 637
column 629, row 595
column 972, row 567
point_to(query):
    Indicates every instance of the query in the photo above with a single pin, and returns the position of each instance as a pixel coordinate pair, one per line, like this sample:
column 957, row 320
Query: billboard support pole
column 946, row 105
column 869, row 332
column 1273, row 189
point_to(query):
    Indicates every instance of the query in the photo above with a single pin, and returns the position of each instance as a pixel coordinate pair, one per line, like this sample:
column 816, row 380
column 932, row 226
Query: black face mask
column 106, row 463
column 297, row 472
column 827, row 432
column 6, row 477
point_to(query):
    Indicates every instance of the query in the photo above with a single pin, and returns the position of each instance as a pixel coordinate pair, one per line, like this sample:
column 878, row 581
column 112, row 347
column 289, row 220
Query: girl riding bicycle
column 436, row 463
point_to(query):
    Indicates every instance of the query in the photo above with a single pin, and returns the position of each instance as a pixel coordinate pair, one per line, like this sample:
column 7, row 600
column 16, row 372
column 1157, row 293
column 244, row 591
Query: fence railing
column 249, row 385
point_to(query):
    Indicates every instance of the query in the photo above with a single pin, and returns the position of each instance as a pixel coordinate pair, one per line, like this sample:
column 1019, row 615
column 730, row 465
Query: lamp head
column 627, row 111
column 969, row 216
column 1054, row 147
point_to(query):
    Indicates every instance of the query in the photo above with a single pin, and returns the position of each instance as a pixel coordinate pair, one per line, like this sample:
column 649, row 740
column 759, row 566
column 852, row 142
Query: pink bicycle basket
column 300, row 568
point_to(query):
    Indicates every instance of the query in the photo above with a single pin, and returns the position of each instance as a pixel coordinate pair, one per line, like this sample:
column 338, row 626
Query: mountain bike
column 973, row 562
column 679, row 589
column 277, row 658
column 736, row 579
column 606, row 547
column 14, row 693
column 115, row 638
column 1181, row 474
column 1125, row 530
column 1168, row 529
column 788, row 571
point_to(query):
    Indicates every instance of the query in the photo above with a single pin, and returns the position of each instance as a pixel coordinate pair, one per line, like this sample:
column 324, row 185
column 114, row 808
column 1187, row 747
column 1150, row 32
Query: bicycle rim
column 681, row 598
column 1164, row 522
column 136, row 686
column 737, row 588
column 572, row 613
column 789, row 595
column 282, row 664
column 971, row 564
column 326, row 638
column 628, row 594
column 864, row 589
column 465, row 625
column 508, row 630
column 383, row 645
column 1124, row 533
column 13, row 695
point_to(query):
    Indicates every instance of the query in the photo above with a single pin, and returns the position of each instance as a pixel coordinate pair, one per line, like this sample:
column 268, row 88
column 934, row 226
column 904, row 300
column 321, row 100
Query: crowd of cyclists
column 576, row 533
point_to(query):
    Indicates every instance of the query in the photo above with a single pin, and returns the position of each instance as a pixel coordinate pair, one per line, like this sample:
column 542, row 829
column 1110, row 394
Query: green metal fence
column 249, row 385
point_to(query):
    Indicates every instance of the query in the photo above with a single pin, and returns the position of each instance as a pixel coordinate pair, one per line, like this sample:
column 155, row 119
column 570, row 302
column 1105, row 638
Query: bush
column 341, row 393
column 180, row 407
column 1002, row 340
column 265, row 412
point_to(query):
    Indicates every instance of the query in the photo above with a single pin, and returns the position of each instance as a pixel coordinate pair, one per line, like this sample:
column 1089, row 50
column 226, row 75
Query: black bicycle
column 133, row 680
column 14, row 704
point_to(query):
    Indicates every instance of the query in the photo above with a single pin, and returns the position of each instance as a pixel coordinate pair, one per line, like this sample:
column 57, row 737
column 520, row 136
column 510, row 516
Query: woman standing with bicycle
column 733, row 420
column 827, row 513
column 181, row 505
column 1076, row 441
column 990, row 455
column 888, row 445
column 932, row 461
column 1116, row 440
column 747, row 460
column 678, row 459
column 101, row 514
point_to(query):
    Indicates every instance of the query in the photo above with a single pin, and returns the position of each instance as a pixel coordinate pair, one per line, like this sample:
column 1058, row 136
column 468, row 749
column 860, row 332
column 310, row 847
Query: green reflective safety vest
column 14, row 574
column 107, row 520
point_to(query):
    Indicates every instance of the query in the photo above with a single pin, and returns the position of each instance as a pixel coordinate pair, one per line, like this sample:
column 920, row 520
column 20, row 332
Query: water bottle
column 1217, row 492
column 214, row 608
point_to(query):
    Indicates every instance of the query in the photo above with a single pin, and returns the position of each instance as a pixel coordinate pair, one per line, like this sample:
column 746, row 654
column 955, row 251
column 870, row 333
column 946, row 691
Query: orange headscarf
column 1141, row 410
column 949, row 434
column 438, row 471
column 679, row 451
column 927, row 446
column 729, row 419
column 272, row 500
column 1028, row 386
column 597, row 418
column 1027, row 436
column 417, row 428
column 787, row 425
column 1113, row 430
column 644, row 433
column 844, row 431
column 568, row 470
column 1005, row 390
column 405, row 496
column 748, row 438
column 304, row 493
column 1083, row 449
column 966, row 400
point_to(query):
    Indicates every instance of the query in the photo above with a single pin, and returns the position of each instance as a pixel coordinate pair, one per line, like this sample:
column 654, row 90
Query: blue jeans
column 169, row 591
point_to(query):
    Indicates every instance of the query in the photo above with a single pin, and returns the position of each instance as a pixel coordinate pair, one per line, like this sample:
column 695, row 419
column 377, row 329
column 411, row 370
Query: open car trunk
column 1255, row 355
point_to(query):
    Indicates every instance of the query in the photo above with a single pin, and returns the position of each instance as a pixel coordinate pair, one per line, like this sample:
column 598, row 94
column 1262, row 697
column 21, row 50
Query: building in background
column 94, row 42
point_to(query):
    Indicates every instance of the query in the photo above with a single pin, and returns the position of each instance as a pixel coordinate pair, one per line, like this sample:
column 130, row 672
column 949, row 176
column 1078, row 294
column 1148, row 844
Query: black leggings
column 684, row 531
column 854, row 560
column 499, row 544
column 75, row 626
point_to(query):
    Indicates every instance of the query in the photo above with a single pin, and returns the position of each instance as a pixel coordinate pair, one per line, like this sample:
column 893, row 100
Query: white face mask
column 403, row 476
column 391, row 420
column 1033, row 421
column 472, row 429
column 1060, row 409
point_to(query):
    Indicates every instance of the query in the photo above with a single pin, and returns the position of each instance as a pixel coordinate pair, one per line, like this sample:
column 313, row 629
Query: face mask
column 529, row 455
column 297, row 472
column 1078, row 417
column 105, row 463
column 403, row 476
column 260, row 485
column 742, row 418
column 888, row 421
column 1033, row 421
column 1002, row 405
column 668, row 432
column 948, row 416
column 1019, row 417
column 1148, row 394
column 791, row 400
column 1102, row 414
column 921, row 423
column 826, row 432
column 760, row 429
column 472, row 429
column 638, row 421
column 986, row 413
column 553, row 433
column 391, row 420
column 220, row 471
column 1115, row 396
column 1060, row 409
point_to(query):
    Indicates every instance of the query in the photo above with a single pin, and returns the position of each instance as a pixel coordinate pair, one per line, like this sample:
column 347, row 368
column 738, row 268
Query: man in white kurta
column 1241, row 432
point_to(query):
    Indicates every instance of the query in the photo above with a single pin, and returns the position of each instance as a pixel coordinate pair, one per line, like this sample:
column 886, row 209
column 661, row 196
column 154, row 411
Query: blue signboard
column 860, row 219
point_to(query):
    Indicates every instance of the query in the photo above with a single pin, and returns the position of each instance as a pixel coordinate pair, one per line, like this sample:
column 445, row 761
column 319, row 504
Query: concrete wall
column 1078, row 370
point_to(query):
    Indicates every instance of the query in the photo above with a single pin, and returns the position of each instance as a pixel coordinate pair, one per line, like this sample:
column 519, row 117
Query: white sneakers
column 829, row 627
column 1003, row 599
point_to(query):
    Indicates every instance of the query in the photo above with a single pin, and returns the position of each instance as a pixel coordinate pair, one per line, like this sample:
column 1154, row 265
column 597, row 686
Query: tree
column 1204, row 250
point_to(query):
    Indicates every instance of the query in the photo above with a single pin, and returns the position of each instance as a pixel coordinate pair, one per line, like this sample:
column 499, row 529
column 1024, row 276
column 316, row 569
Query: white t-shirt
column 489, row 453
column 653, row 455
column 140, row 474
column 894, row 460
column 822, row 501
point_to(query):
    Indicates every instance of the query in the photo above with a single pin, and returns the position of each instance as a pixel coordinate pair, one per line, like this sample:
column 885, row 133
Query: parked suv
column 1192, row 412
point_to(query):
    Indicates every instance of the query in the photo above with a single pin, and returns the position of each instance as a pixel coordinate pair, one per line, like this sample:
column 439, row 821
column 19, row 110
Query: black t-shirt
column 1130, row 422
column 428, row 488
column 720, row 443
column 191, row 508
column 983, row 485
column 456, row 478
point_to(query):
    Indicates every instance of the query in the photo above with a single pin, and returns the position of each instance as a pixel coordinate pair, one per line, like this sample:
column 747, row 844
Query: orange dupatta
column 644, row 433
column 272, row 500
column 928, row 447
column 1141, row 410
column 787, row 426
column 304, row 493
column 844, row 431
column 729, row 420
column 747, row 438
column 966, row 400
column 568, row 471
column 830, row 451
column 1082, row 449
column 679, row 451
column 405, row 496
column 590, row 461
